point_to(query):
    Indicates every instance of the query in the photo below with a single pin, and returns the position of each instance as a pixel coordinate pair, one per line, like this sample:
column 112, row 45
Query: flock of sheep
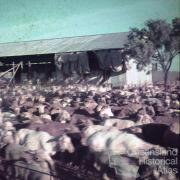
column 98, row 129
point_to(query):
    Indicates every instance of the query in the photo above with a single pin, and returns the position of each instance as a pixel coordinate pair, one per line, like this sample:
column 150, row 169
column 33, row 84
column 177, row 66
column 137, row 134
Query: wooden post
column 29, row 71
column 21, row 64
column 2, row 74
column 13, row 70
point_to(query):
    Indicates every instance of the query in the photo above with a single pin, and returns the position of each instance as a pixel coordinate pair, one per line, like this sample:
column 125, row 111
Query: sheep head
column 65, row 144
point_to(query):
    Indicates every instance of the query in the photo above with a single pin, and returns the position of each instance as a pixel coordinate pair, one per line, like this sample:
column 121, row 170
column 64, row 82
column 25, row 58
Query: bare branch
column 170, row 62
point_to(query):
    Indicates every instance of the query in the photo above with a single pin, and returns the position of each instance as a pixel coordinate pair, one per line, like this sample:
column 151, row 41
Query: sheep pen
column 77, row 132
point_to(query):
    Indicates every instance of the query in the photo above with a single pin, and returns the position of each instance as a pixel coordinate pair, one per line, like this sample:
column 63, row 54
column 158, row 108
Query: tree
column 158, row 43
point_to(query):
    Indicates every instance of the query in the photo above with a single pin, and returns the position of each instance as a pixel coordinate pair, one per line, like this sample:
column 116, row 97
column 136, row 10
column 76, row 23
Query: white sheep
column 35, row 140
column 42, row 169
column 106, row 111
column 65, row 144
column 130, row 144
column 123, row 124
column 27, row 166
column 21, row 134
column 7, row 137
column 98, row 141
column 40, row 140
column 119, row 123
column 7, row 126
column 127, row 147
column 90, row 130
column 16, row 152
column 111, row 142
column 117, row 142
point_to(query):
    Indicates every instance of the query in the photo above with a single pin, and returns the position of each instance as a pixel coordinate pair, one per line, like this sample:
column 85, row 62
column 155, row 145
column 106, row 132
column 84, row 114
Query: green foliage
column 158, row 42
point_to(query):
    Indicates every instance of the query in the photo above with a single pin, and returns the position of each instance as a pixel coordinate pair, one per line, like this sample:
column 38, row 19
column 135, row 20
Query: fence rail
column 66, row 171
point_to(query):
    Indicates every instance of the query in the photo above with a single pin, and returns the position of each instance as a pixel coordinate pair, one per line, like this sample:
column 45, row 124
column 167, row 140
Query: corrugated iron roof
column 48, row 46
